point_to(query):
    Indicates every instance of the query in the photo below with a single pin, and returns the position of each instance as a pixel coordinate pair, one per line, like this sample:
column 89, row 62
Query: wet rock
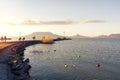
column 19, row 67
column 27, row 60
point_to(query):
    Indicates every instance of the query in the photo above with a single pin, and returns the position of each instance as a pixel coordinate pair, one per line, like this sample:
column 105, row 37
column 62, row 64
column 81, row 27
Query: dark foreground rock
column 19, row 67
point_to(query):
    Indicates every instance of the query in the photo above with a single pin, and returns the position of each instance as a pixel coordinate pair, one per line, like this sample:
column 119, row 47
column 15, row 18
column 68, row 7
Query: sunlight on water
column 75, row 60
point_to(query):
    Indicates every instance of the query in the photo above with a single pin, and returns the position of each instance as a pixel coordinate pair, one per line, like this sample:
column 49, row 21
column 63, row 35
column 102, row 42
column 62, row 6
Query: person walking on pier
column 2, row 39
column 5, row 38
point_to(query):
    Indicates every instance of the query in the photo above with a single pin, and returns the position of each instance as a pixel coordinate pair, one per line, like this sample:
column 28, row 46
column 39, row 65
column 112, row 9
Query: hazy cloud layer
column 57, row 22
column 95, row 21
column 33, row 22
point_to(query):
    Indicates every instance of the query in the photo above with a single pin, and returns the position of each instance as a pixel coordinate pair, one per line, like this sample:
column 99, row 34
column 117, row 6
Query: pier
column 12, row 64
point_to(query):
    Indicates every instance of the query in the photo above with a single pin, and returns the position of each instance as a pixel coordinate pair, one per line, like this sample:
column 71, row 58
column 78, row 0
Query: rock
column 20, row 67
column 27, row 60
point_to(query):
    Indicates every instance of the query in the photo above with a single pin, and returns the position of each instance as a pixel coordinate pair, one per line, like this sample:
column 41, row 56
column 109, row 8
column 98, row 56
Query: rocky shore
column 13, row 66
column 17, row 67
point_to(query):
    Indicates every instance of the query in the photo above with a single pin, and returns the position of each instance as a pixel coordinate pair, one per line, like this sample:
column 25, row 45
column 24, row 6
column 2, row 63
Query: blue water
column 80, row 55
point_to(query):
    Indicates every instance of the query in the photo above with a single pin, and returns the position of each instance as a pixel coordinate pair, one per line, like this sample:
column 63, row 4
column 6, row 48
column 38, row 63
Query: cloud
column 33, row 22
column 53, row 22
column 95, row 21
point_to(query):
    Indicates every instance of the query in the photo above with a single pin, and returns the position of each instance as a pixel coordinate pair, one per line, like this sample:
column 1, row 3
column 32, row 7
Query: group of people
column 3, row 39
column 21, row 39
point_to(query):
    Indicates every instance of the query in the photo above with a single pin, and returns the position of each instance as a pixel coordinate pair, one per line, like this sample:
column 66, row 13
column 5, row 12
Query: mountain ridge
column 110, row 36
column 39, row 35
column 78, row 36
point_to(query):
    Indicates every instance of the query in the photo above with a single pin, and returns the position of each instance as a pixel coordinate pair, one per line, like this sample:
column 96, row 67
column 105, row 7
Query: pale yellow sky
column 84, row 17
column 85, row 29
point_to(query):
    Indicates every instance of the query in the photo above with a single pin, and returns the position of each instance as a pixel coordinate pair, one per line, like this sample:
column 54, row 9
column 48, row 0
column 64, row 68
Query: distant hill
column 78, row 36
column 110, row 36
column 39, row 35
column 100, row 36
column 114, row 36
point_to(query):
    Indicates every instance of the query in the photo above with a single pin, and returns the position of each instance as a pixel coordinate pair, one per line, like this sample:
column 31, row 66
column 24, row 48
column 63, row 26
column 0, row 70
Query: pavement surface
column 4, row 68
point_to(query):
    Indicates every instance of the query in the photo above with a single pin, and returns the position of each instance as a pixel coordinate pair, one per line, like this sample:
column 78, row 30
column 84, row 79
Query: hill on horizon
column 39, row 35
column 110, row 36
column 79, row 36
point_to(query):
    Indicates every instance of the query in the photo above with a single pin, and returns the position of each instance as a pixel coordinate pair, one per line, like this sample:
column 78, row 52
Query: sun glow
column 7, row 30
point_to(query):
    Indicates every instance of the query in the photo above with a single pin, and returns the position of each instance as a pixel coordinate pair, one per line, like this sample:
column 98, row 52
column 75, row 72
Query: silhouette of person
column 2, row 39
column 23, row 38
column 33, row 37
column 5, row 38
column 19, row 38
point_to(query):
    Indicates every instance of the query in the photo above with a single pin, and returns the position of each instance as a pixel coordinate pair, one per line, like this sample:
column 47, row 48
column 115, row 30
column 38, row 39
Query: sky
column 84, row 17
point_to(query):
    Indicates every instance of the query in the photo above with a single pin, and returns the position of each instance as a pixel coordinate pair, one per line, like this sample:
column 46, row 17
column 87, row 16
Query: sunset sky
column 84, row 17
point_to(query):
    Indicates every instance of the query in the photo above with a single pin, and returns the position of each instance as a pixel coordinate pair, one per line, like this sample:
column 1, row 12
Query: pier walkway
column 5, row 73
column 4, row 69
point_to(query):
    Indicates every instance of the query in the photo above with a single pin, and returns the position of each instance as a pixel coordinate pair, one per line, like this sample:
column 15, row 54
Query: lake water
column 75, row 60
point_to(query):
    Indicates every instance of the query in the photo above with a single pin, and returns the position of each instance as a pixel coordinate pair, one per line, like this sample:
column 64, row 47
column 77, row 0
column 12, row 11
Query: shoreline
column 15, row 66
column 12, row 55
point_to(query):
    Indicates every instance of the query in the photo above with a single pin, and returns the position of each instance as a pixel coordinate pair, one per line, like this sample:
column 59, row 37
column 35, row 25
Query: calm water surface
column 49, row 61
